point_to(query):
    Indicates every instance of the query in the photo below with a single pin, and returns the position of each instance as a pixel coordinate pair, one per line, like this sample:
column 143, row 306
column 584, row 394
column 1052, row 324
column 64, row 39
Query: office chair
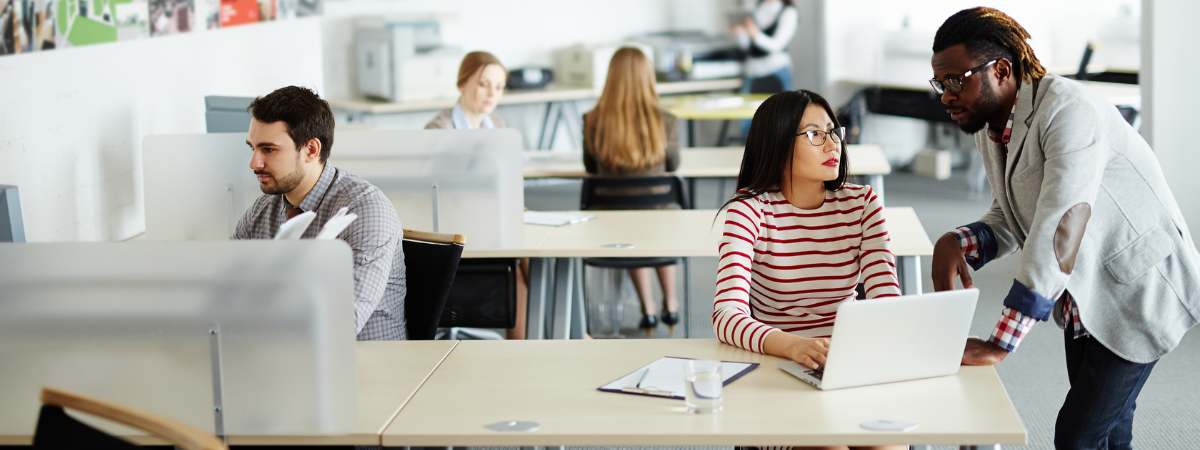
column 615, row 193
column 484, row 296
column 56, row 430
column 430, row 263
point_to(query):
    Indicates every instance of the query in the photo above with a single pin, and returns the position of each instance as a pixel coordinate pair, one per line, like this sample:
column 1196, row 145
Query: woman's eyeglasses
column 817, row 137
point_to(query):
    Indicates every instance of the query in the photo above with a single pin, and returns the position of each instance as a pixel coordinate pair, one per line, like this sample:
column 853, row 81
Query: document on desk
column 664, row 378
column 554, row 219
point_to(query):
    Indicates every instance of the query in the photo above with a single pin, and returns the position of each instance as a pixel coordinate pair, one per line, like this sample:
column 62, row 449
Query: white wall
column 1169, row 97
column 519, row 32
column 72, row 120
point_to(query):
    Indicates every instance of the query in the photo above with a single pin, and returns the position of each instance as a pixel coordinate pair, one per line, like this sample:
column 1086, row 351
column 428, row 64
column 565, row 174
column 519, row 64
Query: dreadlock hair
column 991, row 34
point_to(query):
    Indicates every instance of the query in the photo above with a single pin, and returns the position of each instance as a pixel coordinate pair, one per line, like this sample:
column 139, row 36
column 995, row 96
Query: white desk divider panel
column 153, row 324
column 451, row 181
column 197, row 186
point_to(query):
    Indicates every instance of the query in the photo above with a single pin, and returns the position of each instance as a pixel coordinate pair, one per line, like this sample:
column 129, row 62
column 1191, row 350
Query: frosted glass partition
column 130, row 322
column 197, row 186
column 480, row 191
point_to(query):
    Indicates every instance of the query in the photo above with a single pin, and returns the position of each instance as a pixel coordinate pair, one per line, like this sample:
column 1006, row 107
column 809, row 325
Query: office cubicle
column 197, row 186
column 140, row 323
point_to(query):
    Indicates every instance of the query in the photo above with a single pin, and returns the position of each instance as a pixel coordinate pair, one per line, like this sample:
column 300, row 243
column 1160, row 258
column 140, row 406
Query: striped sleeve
column 877, row 261
column 732, row 321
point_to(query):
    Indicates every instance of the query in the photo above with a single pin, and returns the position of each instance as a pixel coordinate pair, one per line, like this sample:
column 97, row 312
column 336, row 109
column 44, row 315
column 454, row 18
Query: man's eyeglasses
column 817, row 137
column 954, row 85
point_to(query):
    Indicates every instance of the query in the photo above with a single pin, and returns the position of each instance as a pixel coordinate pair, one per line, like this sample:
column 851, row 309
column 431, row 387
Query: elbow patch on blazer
column 1069, row 235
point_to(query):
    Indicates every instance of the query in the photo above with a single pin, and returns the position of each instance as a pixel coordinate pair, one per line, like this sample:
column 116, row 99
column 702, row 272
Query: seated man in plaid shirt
column 291, row 135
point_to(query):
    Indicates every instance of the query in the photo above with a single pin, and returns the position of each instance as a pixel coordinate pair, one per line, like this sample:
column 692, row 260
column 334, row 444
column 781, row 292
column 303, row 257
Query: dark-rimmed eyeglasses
column 954, row 84
column 817, row 137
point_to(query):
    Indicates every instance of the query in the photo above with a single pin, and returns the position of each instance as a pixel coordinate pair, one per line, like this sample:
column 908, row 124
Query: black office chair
column 483, row 296
column 430, row 261
column 623, row 193
column 58, row 431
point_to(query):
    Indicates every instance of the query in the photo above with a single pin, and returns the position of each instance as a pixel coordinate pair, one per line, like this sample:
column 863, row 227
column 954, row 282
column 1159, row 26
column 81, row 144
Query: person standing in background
column 764, row 39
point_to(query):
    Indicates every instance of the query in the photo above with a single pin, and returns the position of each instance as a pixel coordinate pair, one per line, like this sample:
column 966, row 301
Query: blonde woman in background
column 626, row 134
column 481, row 80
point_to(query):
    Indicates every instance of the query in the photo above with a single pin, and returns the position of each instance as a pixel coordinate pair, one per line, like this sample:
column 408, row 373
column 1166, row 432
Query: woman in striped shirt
column 798, row 239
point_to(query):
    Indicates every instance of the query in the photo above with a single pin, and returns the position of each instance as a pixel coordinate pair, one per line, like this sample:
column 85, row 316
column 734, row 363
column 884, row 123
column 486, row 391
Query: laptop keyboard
column 817, row 373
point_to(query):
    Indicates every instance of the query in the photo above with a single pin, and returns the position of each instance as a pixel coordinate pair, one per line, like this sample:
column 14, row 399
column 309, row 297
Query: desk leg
column 980, row 447
column 691, row 193
column 691, row 130
column 535, row 317
column 910, row 274
column 549, row 125
column 569, row 113
column 876, row 181
column 579, row 308
column 564, row 274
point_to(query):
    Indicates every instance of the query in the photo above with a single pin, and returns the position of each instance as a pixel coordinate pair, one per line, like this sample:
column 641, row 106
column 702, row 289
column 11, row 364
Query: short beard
column 986, row 107
column 288, row 183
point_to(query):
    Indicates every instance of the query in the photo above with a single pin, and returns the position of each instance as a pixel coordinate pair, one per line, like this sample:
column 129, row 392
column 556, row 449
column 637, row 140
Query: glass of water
column 703, row 385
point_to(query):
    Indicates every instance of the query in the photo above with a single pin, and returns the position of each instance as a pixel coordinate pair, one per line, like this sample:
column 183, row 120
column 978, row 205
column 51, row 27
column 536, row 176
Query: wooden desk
column 389, row 374
column 554, row 383
column 555, row 252
column 558, row 99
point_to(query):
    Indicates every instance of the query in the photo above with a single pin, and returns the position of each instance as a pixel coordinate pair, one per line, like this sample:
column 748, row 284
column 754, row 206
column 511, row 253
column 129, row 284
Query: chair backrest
column 56, row 430
column 661, row 192
column 484, row 294
column 766, row 85
column 12, row 228
column 430, row 262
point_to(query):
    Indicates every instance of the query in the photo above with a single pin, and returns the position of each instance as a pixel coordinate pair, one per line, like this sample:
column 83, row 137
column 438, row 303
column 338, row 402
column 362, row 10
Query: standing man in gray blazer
column 1105, row 250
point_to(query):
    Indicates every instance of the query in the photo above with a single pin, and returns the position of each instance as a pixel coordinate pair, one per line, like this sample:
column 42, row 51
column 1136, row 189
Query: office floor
column 1035, row 375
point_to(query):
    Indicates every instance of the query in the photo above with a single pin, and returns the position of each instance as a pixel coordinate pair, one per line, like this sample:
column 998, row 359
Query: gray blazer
column 1082, row 194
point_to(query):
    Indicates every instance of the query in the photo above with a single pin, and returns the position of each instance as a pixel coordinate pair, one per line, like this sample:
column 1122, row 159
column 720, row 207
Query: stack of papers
column 555, row 219
column 664, row 378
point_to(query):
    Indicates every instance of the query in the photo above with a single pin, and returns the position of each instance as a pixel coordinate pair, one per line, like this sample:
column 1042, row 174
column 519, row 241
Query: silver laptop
column 894, row 339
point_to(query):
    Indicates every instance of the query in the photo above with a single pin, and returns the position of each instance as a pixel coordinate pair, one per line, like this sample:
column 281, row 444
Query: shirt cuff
column 978, row 243
column 1029, row 303
column 1012, row 327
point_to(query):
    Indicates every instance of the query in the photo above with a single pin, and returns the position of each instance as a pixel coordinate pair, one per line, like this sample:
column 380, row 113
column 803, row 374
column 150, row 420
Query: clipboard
column 663, row 378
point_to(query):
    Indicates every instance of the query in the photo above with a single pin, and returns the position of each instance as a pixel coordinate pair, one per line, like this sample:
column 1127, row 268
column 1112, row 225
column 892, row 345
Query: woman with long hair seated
column 798, row 239
column 626, row 134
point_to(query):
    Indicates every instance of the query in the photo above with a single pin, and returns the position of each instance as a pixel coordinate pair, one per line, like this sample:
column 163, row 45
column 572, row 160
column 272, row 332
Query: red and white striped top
column 788, row 268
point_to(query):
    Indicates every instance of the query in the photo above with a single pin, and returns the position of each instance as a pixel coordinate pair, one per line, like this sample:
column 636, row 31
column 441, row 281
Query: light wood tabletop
column 695, row 162
column 551, row 93
column 554, row 384
column 669, row 232
column 389, row 373
column 714, row 106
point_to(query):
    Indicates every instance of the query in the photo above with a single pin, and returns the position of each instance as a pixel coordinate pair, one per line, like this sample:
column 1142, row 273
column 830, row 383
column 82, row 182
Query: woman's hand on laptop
column 808, row 352
column 982, row 353
column 949, row 262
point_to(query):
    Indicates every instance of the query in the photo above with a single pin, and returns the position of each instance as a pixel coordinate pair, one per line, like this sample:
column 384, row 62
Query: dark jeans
column 1098, row 411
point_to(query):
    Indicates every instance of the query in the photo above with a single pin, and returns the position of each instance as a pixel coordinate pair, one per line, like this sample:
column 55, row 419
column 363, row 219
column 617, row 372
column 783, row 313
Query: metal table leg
column 579, row 307
column 691, row 130
column 564, row 277
column 910, row 274
column 876, row 181
column 535, row 315
column 549, row 125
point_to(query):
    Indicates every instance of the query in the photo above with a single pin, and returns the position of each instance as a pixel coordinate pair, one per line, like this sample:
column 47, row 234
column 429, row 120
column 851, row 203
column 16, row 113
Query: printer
column 402, row 59
column 587, row 65
column 693, row 55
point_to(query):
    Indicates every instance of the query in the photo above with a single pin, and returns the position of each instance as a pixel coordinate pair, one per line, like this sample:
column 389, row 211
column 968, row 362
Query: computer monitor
column 227, row 114
column 12, row 228
column 197, row 186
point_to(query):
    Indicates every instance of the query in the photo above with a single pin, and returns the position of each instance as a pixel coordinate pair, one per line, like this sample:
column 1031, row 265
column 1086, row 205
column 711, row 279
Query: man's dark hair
column 306, row 115
column 991, row 34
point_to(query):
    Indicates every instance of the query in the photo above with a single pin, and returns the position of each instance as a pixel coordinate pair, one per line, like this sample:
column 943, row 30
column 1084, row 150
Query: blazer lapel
column 1021, row 122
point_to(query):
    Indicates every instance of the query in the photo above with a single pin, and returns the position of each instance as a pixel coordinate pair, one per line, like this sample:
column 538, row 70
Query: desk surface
column 554, row 383
column 552, row 93
column 388, row 376
column 709, row 107
column 688, row 232
column 697, row 162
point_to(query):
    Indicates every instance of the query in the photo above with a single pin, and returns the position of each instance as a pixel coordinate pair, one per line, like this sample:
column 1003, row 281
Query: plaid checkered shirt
column 374, row 238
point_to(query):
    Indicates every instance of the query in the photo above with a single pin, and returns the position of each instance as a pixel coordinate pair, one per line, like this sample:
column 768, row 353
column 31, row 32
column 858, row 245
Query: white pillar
column 1170, row 99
